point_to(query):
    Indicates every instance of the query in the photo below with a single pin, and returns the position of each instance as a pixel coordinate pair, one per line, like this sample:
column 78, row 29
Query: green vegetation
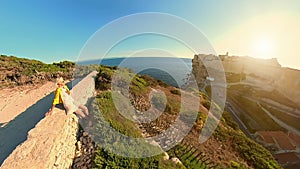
column 258, row 115
column 286, row 118
column 278, row 97
column 256, row 93
column 235, row 77
column 251, row 153
column 254, row 117
column 229, row 120
column 188, row 156
column 159, row 101
column 249, row 150
column 139, row 86
column 173, row 105
column 111, row 115
column 103, row 78
column 81, row 71
column 206, row 103
column 236, row 165
column 20, row 71
column 104, row 158
column 208, row 90
column 175, row 91
column 30, row 67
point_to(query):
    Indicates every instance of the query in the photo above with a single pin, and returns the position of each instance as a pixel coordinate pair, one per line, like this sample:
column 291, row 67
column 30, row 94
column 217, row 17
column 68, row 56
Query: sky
column 57, row 30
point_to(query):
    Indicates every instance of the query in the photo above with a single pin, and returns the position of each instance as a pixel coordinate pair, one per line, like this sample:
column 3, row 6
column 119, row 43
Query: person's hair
column 59, row 80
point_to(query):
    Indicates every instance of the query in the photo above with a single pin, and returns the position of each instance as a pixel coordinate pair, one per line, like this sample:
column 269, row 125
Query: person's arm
column 67, row 89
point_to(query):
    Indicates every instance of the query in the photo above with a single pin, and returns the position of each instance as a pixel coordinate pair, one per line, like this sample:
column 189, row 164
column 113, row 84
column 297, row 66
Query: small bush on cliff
column 104, row 77
column 175, row 91
column 105, row 159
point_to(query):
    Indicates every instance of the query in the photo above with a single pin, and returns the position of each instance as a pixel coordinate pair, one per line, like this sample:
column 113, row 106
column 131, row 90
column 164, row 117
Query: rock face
column 85, row 150
column 199, row 71
column 289, row 83
column 267, row 71
column 52, row 143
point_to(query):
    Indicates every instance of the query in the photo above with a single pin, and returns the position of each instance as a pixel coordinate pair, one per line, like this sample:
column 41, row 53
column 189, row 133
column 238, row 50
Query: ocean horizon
column 171, row 70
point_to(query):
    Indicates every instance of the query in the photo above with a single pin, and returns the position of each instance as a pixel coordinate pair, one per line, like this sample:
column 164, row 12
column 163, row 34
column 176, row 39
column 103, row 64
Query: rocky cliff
column 267, row 72
column 51, row 144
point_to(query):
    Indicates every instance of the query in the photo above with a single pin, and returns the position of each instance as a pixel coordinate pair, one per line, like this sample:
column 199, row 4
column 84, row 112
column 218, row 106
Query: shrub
column 175, row 91
column 159, row 101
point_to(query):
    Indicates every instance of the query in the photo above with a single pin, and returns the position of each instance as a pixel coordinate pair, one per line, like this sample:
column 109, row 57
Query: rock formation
column 266, row 71
column 85, row 150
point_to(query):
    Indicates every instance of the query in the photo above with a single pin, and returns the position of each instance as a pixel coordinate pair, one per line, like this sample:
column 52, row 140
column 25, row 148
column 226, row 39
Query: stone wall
column 51, row 144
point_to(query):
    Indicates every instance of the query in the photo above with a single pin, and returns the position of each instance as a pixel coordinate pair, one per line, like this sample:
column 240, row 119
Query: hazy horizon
column 122, row 57
column 53, row 31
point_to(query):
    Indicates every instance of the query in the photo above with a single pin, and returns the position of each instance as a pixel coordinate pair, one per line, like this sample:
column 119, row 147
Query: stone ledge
column 51, row 144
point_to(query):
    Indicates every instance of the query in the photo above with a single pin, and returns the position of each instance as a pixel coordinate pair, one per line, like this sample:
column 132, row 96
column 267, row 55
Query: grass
column 106, row 159
column 256, row 93
column 30, row 67
column 255, row 118
column 253, row 110
column 111, row 114
column 235, row 77
column 20, row 71
column 254, row 154
column 227, row 118
column 185, row 155
column 173, row 105
column 286, row 118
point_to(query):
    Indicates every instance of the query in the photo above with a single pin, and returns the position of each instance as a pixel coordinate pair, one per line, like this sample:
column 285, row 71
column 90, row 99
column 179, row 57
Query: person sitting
column 62, row 95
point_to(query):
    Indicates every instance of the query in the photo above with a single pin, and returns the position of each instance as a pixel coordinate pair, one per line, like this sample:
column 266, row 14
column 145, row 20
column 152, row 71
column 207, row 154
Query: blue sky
column 57, row 30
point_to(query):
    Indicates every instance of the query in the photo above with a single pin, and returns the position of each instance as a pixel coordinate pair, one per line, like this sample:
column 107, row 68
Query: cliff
column 51, row 144
column 262, row 96
column 227, row 147
column 268, row 73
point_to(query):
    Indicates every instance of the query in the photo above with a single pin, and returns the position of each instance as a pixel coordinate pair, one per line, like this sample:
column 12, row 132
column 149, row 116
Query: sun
column 264, row 48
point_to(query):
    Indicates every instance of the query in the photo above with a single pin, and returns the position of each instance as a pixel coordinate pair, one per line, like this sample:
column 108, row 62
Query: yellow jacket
column 58, row 95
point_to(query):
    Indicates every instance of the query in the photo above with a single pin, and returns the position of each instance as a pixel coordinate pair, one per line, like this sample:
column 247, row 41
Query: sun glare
column 264, row 48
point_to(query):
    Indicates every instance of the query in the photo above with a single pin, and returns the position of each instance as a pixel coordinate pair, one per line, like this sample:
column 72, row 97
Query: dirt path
column 14, row 101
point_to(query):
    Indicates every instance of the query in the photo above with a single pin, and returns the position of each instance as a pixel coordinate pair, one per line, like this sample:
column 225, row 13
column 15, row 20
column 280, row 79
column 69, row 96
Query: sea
column 173, row 71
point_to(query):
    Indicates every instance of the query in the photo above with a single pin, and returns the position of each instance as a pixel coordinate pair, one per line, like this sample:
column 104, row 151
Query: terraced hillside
column 228, row 147
column 263, row 98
